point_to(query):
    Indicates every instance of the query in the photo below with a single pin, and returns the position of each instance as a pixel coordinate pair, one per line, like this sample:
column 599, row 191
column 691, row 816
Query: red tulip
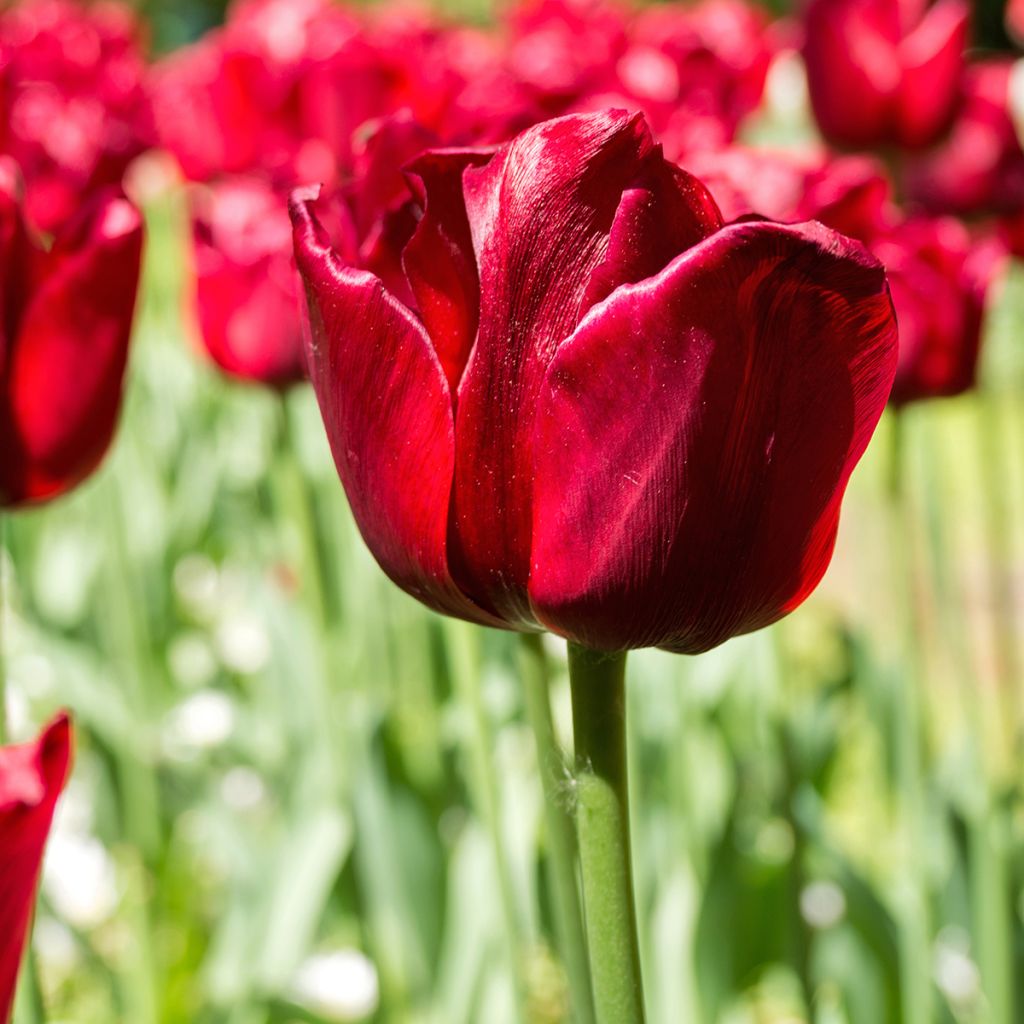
column 72, row 98
column 1015, row 19
column 31, row 779
column 67, row 316
column 941, row 282
column 885, row 72
column 606, row 414
column 247, row 291
column 849, row 194
column 980, row 169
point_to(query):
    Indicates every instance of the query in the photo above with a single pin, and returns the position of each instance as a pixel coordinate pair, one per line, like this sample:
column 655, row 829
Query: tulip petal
column 388, row 414
column 933, row 62
column 31, row 778
column 438, row 260
column 750, row 374
column 540, row 215
column 66, row 366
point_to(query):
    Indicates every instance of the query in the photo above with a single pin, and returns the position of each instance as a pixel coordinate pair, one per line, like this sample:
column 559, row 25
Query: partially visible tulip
column 849, row 194
column 885, row 72
column 980, row 169
column 67, row 316
column 941, row 284
column 1015, row 19
column 247, row 292
column 604, row 413
column 72, row 95
column 31, row 779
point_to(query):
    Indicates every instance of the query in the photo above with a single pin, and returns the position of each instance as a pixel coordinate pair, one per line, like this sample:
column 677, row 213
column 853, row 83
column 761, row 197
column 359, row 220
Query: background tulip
column 31, row 779
column 521, row 471
column 942, row 283
column 885, row 72
column 68, row 315
column 75, row 111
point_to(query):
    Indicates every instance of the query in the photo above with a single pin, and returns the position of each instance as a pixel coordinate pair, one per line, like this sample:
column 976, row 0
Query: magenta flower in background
column 942, row 281
column 980, row 169
column 31, row 779
column 75, row 112
column 67, row 315
column 885, row 72
column 247, row 291
column 605, row 413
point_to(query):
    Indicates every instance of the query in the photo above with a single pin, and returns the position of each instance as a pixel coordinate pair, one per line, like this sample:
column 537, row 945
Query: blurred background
column 301, row 797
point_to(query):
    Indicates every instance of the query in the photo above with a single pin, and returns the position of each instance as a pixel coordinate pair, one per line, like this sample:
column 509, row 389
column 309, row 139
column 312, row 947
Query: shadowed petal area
column 439, row 261
column 65, row 368
column 388, row 414
column 747, row 379
column 31, row 778
column 542, row 215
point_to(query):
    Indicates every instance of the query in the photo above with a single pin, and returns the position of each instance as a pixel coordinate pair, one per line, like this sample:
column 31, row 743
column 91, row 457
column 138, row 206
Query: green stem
column 602, row 820
column 561, row 850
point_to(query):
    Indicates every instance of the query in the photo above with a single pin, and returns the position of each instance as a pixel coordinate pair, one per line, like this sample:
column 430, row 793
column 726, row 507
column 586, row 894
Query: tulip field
column 512, row 514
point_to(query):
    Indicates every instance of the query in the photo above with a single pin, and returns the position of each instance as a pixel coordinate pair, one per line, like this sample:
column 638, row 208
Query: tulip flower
column 849, row 194
column 603, row 412
column 31, row 779
column 248, row 295
column 980, row 169
column 75, row 110
column 885, row 72
column 941, row 284
column 67, row 320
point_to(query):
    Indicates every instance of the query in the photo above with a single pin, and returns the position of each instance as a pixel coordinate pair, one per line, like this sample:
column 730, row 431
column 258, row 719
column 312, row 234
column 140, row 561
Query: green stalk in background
column 915, row 925
column 602, row 813
column 465, row 668
column 561, row 852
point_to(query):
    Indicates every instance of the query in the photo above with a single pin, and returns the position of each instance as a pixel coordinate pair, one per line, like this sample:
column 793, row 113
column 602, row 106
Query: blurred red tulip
column 849, row 194
column 607, row 414
column 980, row 169
column 247, row 290
column 941, row 281
column 1015, row 19
column 74, row 107
column 67, row 316
column 885, row 72
column 31, row 779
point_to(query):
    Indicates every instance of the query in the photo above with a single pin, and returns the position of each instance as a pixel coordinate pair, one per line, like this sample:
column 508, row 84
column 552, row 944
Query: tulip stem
column 561, row 849
column 598, row 688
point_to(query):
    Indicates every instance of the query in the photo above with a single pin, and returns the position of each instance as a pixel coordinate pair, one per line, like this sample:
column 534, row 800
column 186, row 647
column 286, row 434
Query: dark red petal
column 388, row 414
column 439, row 261
column 695, row 436
column 664, row 212
column 65, row 366
column 31, row 778
column 540, row 215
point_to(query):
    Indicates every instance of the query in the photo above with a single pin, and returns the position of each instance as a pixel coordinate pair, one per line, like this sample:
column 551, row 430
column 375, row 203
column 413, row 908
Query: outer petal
column 542, row 214
column 31, row 778
column 66, row 366
column 388, row 414
column 696, row 434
